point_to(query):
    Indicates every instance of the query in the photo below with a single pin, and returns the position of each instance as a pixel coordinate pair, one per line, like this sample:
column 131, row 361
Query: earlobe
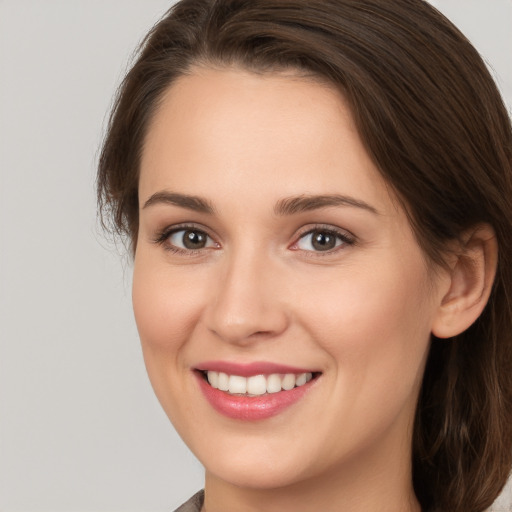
column 471, row 277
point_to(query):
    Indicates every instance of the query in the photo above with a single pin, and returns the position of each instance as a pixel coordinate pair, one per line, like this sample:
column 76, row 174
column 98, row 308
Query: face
column 272, row 255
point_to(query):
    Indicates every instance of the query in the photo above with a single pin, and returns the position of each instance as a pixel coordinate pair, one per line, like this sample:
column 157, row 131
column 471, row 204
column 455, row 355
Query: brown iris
column 194, row 239
column 323, row 240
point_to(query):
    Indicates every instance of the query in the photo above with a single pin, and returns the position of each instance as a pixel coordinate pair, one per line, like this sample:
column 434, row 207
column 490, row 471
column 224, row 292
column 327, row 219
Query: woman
column 317, row 196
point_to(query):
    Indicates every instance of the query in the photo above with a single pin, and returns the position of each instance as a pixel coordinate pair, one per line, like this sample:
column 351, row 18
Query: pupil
column 323, row 241
column 194, row 240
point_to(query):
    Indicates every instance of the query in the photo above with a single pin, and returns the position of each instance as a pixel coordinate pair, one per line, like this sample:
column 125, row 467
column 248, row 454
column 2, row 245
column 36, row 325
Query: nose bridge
column 246, row 302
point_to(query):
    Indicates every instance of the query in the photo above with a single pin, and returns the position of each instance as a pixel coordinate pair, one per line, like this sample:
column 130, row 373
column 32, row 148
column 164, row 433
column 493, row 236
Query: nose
column 248, row 304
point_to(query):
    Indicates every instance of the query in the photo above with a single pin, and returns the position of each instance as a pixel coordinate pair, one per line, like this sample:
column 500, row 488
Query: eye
column 189, row 240
column 323, row 240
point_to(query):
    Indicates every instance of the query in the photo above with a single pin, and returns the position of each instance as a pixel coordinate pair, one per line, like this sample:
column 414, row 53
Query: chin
column 256, row 475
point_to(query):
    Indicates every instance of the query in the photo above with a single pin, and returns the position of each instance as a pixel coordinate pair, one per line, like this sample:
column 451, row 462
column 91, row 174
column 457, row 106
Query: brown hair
column 434, row 123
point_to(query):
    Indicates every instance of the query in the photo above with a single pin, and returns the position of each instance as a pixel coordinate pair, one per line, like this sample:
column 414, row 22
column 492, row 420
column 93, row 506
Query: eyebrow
column 286, row 206
column 305, row 203
column 195, row 203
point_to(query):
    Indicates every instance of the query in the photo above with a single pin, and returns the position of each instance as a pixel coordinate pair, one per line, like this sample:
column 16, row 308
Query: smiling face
column 269, row 244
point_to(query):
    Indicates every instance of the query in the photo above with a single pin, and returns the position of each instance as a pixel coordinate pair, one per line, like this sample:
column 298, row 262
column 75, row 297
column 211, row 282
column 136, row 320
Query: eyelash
column 346, row 239
column 163, row 236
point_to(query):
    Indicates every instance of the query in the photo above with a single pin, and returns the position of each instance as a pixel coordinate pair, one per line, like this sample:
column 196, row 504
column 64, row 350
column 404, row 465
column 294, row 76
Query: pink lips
column 249, row 369
column 248, row 408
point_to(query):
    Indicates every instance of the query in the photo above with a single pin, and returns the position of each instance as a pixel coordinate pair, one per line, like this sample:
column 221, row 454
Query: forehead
column 272, row 134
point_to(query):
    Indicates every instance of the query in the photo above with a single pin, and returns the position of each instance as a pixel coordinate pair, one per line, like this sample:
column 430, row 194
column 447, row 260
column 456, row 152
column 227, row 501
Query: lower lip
column 251, row 408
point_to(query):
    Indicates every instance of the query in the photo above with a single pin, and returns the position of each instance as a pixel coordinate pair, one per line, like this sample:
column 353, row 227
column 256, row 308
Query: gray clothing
column 194, row 504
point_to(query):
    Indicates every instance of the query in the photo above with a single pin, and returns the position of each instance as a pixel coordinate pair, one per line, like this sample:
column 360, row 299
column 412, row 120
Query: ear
column 470, row 280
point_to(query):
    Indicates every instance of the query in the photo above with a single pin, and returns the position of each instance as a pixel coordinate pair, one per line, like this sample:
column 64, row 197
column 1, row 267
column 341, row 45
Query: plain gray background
column 80, row 429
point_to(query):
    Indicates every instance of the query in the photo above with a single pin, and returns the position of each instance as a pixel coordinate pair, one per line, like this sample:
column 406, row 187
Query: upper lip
column 250, row 369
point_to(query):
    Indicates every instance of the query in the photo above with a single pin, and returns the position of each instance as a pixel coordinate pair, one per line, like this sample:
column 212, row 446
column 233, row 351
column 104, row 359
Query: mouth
column 256, row 385
column 263, row 392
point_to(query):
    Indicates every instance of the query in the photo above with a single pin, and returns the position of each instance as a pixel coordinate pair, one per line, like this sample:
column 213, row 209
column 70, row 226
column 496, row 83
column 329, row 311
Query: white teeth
column 213, row 379
column 301, row 379
column 273, row 383
column 257, row 384
column 288, row 381
column 223, row 381
column 237, row 384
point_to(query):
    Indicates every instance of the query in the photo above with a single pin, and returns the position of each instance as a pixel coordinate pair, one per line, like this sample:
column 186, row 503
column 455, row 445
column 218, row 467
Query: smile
column 256, row 385
column 255, row 391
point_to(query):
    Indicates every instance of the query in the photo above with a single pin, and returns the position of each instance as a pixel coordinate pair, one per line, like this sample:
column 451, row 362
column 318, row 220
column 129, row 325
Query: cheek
column 166, row 308
column 375, row 326
column 376, row 332
column 166, row 304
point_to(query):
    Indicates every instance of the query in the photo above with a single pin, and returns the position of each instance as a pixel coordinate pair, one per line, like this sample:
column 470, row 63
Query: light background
column 80, row 429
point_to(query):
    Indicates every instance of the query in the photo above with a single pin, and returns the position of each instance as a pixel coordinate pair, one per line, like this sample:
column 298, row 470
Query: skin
column 361, row 313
